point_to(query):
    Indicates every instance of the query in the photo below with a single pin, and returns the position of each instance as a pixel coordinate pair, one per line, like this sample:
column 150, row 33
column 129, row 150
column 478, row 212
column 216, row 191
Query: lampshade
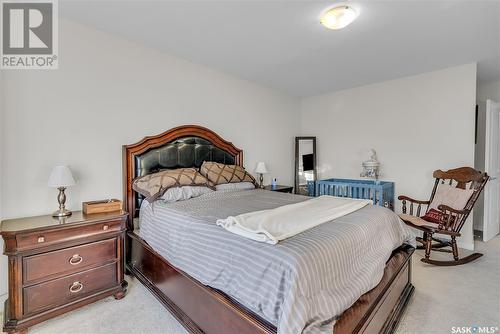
column 261, row 168
column 61, row 177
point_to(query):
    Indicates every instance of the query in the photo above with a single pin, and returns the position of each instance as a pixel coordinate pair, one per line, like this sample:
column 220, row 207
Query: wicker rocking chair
column 449, row 220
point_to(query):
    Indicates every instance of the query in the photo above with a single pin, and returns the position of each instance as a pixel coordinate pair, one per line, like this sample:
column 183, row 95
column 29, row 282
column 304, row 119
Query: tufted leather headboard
column 183, row 146
column 183, row 152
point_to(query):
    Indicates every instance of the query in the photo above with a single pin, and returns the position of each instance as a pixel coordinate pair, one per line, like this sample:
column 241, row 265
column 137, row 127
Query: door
column 492, row 166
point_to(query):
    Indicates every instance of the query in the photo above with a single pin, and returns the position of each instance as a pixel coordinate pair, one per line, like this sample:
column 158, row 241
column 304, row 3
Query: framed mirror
column 305, row 163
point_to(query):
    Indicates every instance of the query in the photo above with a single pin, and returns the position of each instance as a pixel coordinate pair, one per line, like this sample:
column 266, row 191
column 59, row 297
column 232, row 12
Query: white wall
column 108, row 92
column 417, row 124
column 489, row 90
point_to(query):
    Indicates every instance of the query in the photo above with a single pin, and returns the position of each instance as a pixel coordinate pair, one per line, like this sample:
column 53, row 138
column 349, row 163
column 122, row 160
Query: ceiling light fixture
column 338, row 17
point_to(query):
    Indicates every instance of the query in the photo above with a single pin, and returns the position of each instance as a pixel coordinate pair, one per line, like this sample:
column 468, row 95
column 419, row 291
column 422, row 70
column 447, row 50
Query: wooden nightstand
column 57, row 265
column 281, row 189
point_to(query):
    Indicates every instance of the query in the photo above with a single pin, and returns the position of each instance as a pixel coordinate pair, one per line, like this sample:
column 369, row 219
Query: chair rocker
column 448, row 221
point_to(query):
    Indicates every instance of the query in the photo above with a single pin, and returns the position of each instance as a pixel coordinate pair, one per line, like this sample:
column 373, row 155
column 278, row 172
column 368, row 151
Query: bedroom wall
column 406, row 121
column 488, row 90
column 108, row 92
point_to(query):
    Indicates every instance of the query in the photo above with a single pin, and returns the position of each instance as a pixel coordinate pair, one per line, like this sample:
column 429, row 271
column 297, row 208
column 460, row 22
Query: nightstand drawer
column 44, row 238
column 63, row 290
column 67, row 261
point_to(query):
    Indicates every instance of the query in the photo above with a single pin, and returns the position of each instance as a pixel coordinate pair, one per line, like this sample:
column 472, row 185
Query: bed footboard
column 199, row 308
column 204, row 310
column 379, row 310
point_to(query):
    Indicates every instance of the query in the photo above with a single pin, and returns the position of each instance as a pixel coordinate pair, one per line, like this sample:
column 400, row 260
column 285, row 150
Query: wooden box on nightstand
column 57, row 265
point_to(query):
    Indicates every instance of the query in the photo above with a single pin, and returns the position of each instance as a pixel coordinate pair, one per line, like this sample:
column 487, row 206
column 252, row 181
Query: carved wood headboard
column 183, row 146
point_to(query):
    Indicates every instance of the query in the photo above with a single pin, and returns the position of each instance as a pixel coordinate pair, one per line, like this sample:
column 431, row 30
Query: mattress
column 302, row 284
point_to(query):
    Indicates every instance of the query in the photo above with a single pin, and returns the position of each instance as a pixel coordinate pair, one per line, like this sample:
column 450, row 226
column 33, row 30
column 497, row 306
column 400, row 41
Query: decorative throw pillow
column 434, row 216
column 218, row 173
column 455, row 198
column 154, row 185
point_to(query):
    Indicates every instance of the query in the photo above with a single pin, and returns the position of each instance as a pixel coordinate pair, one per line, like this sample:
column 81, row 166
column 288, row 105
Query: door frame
column 490, row 107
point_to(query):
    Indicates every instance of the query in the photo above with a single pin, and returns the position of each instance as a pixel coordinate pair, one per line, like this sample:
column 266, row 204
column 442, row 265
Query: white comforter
column 277, row 224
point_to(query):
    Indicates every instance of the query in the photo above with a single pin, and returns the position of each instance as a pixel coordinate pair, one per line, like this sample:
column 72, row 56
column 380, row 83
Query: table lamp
column 61, row 178
column 261, row 170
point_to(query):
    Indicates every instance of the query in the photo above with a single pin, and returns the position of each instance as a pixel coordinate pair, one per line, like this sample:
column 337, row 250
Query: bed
column 203, row 309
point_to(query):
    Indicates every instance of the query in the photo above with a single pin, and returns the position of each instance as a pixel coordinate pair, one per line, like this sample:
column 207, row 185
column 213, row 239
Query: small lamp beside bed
column 261, row 170
column 61, row 178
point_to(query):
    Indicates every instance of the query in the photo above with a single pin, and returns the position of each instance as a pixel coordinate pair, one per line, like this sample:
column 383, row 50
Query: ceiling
column 280, row 44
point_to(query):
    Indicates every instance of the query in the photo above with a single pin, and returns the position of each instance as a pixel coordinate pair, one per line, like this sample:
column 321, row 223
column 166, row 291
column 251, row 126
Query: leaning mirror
column 305, row 163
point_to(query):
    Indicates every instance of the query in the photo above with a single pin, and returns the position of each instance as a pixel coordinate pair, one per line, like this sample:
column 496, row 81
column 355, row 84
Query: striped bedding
column 302, row 284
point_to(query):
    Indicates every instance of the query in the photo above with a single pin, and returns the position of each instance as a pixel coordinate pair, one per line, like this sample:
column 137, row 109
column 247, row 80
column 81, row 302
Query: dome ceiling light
column 338, row 17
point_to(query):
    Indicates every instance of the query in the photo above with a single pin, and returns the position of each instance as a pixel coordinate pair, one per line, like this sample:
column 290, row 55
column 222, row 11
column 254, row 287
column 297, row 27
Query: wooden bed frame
column 202, row 309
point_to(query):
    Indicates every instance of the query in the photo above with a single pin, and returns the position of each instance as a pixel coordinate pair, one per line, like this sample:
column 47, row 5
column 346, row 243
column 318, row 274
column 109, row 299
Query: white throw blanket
column 274, row 225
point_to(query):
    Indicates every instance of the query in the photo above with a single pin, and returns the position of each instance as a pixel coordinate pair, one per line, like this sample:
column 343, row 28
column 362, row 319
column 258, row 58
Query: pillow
column 435, row 216
column 235, row 186
column 154, row 185
column 455, row 198
column 218, row 173
column 184, row 193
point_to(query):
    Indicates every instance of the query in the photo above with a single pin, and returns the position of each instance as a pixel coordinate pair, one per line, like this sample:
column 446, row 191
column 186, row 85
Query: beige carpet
column 466, row 295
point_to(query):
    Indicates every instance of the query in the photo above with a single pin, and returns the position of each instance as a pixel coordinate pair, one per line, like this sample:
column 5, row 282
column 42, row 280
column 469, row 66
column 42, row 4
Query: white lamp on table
column 261, row 170
column 61, row 178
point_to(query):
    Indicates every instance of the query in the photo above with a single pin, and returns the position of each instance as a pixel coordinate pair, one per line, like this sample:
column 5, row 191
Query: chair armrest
column 406, row 198
column 412, row 201
column 452, row 217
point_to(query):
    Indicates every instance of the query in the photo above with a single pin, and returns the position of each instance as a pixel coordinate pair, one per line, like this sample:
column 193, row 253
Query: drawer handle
column 75, row 259
column 76, row 287
column 41, row 239
column 105, row 227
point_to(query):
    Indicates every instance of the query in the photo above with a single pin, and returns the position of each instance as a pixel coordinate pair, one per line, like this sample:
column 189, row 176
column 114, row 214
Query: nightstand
column 57, row 265
column 281, row 189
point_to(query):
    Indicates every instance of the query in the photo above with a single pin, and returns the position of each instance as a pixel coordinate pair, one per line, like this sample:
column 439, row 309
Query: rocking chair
column 446, row 220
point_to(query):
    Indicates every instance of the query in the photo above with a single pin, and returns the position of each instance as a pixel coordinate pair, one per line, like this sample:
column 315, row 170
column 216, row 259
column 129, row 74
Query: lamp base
column 62, row 213
column 261, row 179
column 61, row 198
